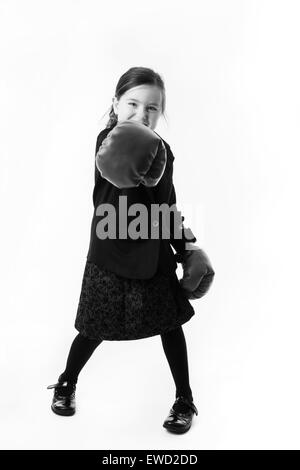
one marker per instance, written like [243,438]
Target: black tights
[174,346]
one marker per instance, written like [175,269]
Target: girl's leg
[81,350]
[174,346]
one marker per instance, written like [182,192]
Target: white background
[231,70]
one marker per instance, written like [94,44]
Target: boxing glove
[132,154]
[198,273]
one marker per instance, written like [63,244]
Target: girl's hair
[136,76]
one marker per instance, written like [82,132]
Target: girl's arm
[187,237]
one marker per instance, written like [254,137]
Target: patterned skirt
[115,308]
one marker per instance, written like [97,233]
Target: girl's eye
[151,107]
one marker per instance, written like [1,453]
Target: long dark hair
[136,76]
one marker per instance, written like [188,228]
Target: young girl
[130,291]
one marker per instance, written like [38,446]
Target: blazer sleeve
[97,178]
[186,234]
[99,141]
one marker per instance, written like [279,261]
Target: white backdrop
[231,70]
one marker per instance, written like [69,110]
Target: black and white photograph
[150,235]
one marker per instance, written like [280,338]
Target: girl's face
[142,103]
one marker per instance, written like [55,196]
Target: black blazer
[142,258]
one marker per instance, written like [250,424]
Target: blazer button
[155,223]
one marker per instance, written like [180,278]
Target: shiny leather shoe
[180,416]
[63,402]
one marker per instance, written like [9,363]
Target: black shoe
[180,416]
[63,402]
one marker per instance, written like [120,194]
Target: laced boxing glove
[131,154]
[198,273]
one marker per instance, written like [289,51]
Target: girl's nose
[143,120]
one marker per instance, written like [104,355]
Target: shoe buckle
[58,384]
[189,403]
[52,386]
[194,408]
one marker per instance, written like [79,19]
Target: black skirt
[115,308]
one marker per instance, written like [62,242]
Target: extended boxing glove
[131,154]
[198,273]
